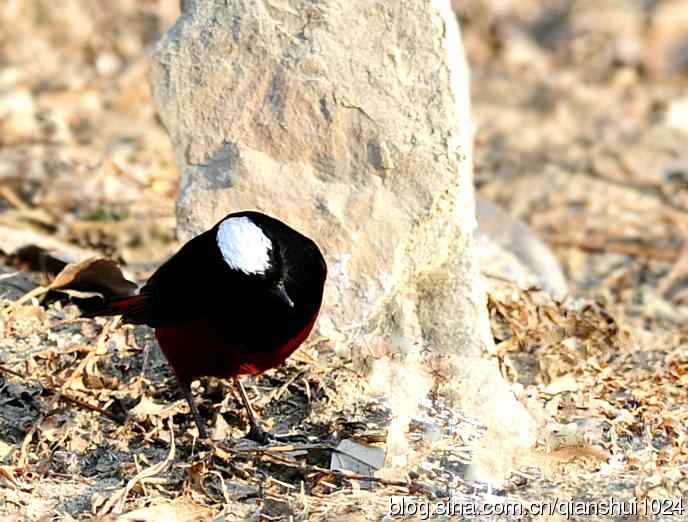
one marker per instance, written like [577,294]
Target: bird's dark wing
[187,286]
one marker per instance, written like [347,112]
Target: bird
[237,299]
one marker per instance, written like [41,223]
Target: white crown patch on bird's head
[243,245]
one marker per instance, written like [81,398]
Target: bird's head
[247,248]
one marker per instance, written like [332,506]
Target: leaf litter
[92,425]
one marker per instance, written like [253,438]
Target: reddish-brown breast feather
[201,348]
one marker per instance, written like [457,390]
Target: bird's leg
[185,386]
[256,433]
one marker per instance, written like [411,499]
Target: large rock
[350,121]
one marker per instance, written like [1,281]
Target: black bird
[237,299]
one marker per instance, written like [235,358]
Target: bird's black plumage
[198,282]
[214,319]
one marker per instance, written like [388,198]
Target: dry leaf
[173,512]
[148,408]
[95,274]
[116,502]
[6,449]
[196,473]
[93,378]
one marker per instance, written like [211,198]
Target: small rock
[108,64]
[676,115]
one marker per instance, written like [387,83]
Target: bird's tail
[120,306]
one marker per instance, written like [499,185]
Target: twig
[13,198]
[651,189]
[21,461]
[36,292]
[116,502]
[273,454]
[498,277]
[277,394]
[4,369]
[83,404]
[288,448]
[283,448]
[339,473]
[619,246]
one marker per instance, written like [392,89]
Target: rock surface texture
[349,121]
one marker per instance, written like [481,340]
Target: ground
[581,130]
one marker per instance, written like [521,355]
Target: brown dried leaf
[95,274]
[196,473]
[93,378]
[148,408]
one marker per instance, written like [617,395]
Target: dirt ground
[582,118]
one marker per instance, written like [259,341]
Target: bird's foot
[185,387]
[202,432]
[259,435]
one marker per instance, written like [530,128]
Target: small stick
[36,292]
[275,395]
[288,448]
[340,473]
[282,448]
[83,404]
[271,453]
[597,245]
[21,461]
[4,369]
[13,198]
